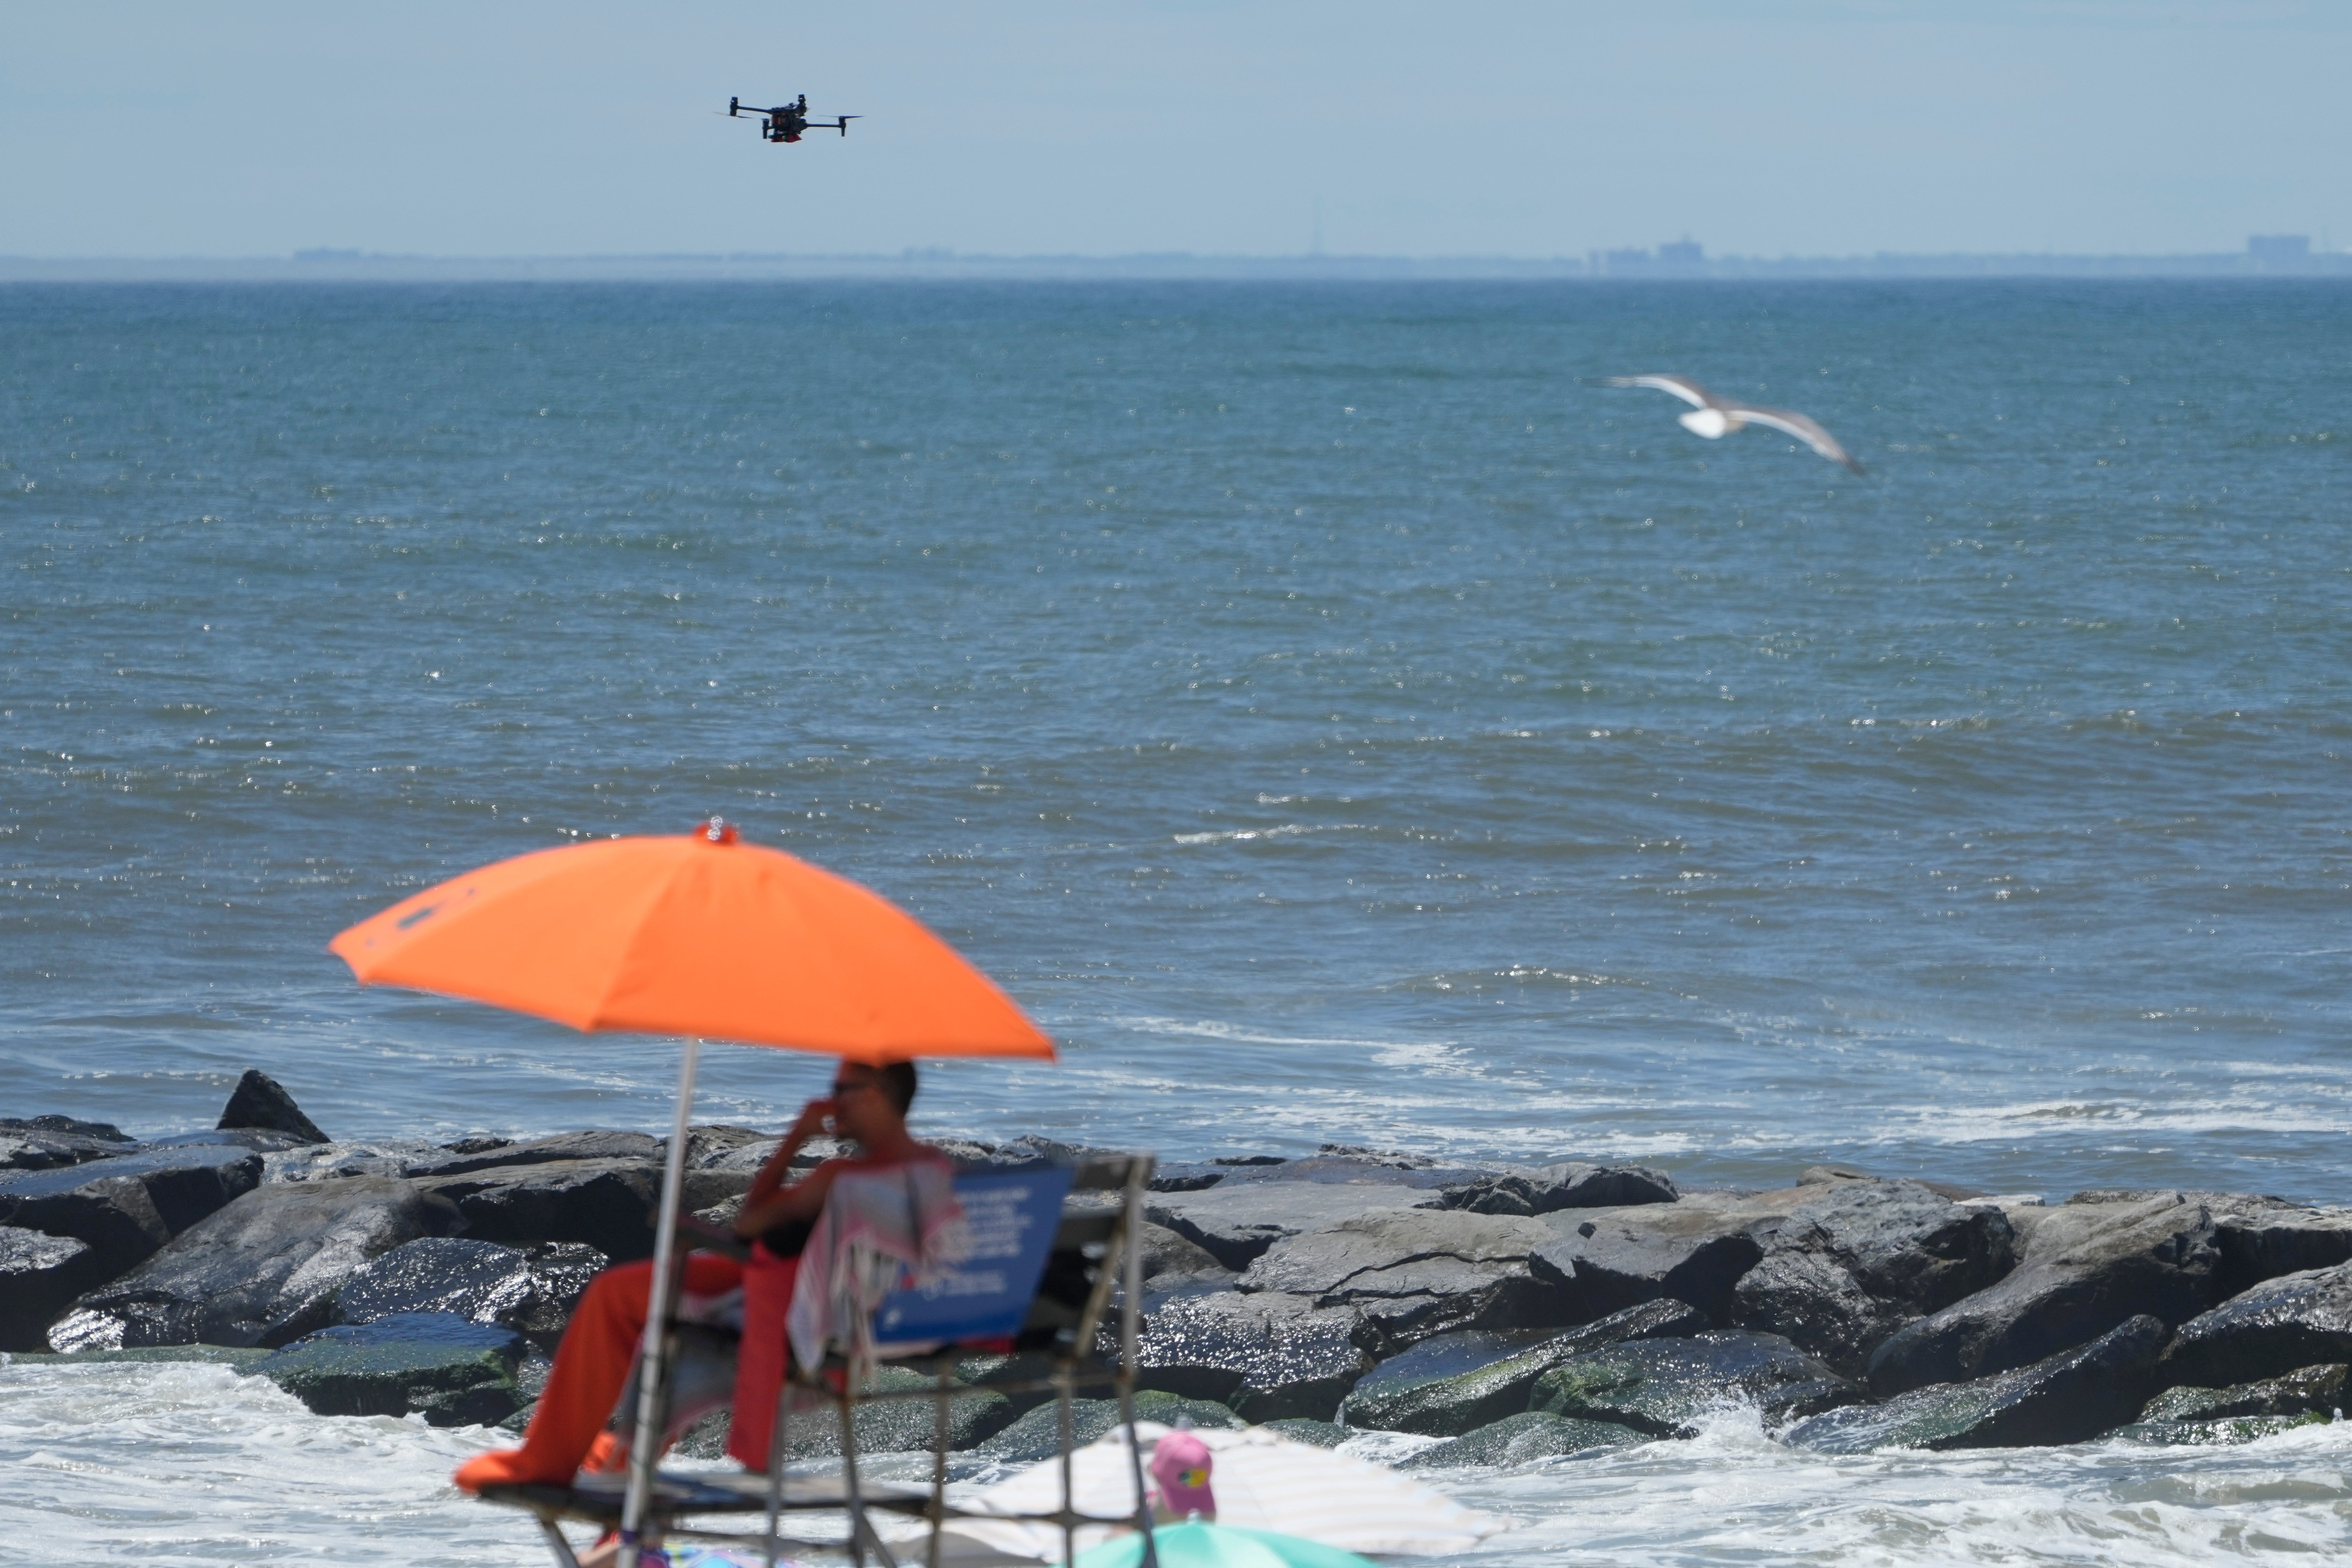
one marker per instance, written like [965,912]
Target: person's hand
[812,1124]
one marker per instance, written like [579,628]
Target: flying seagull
[1715,417]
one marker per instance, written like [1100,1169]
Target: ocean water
[1333,720]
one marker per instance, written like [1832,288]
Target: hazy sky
[1762,127]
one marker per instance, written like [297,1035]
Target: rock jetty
[1509,1313]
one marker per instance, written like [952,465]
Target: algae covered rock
[1665,1386]
[1037,1435]
[2069,1397]
[451,1372]
[899,1426]
[1523,1439]
[1314,1434]
[1401,1400]
[2303,1392]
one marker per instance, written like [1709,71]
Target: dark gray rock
[606,1204]
[2294,1321]
[887,1427]
[112,1216]
[1854,1264]
[1523,1439]
[39,1274]
[240,1358]
[1413,1272]
[1265,1356]
[354,1157]
[1036,1436]
[2069,1397]
[1694,1250]
[1170,1256]
[263,1270]
[2085,1269]
[1571,1185]
[46,1143]
[184,1182]
[451,1372]
[1234,1222]
[2299,1392]
[2261,1238]
[1665,1386]
[262,1101]
[532,1291]
[1458,1403]
[602,1144]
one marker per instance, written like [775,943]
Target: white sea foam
[188,1466]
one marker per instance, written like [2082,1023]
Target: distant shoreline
[352,267]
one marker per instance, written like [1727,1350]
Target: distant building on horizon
[1675,259]
[2290,247]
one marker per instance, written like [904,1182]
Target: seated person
[868,1107]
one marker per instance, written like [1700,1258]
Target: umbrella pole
[661,1300]
[1131,1309]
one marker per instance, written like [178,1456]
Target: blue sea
[1332,718]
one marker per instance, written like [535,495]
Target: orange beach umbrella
[695,934]
[701,935]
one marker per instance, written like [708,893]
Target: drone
[786,121]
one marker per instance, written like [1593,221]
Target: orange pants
[601,1340]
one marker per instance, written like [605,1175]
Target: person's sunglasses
[841,1087]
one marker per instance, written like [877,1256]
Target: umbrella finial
[719,830]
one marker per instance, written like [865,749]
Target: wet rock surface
[2084,1269]
[1264,1355]
[1523,1439]
[2294,1321]
[1394,1396]
[530,1289]
[1410,1273]
[45,1142]
[451,1372]
[263,1270]
[603,1203]
[1522,1311]
[1848,1267]
[1665,1386]
[183,1182]
[2069,1397]
[2303,1392]
[40,1275]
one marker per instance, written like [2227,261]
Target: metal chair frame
[1075,1363]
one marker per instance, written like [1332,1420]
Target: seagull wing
[1796,425]
[1681,386]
